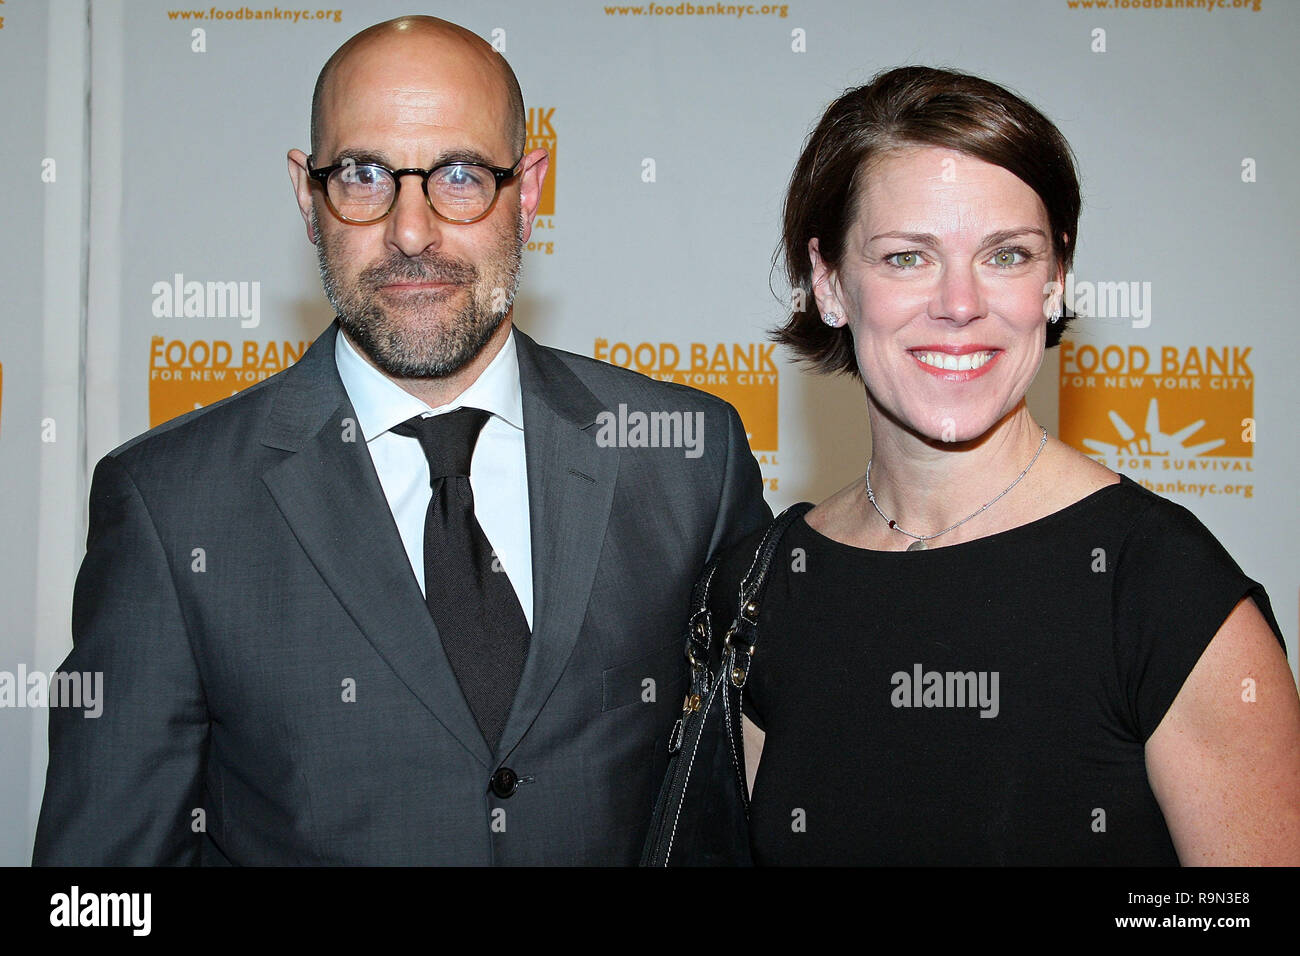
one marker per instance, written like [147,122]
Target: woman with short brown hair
[988,648]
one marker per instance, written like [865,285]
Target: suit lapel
[330,495]
[570,490]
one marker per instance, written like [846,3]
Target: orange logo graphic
[541,135]
[1175,409]
[185,375]
[742,373]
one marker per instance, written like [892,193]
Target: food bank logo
[541,135]
[742,373]
[1172,409]
[185,375]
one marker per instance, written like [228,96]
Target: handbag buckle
[739,665]
[740,645]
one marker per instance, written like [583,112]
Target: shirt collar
[381,403]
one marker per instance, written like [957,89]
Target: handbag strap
[699,625]
[699,631]
[743,632]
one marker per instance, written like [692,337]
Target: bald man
[404,602]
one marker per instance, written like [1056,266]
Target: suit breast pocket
[653,678]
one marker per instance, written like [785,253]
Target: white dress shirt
[498,470]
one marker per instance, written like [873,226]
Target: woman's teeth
[954,363]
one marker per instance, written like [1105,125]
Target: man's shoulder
[238,421]
[210,451]
[203,424]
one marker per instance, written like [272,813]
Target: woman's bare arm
[753,751]
[1224,763]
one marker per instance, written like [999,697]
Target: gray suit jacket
[275,691]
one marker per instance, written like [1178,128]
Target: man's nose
[412,226]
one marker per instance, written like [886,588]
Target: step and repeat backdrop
[154,261]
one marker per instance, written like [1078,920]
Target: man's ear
[301,180]
[825,283]
[535,165]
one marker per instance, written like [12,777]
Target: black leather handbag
[701,817]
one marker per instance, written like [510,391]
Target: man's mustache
[426,268]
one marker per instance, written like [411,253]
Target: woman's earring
[831,319]
[1056,316]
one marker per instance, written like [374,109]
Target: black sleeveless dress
[980,704]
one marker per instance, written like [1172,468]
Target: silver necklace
[920,543]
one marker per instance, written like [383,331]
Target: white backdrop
[672,135]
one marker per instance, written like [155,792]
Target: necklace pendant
[917,546]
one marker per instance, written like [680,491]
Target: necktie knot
[446,440]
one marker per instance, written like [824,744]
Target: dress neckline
[996,537]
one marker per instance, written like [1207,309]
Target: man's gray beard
[408,353]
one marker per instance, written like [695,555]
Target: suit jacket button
[504,782]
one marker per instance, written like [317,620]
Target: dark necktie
[483,628]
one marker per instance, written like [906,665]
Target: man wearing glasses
[438,621]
